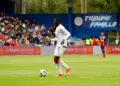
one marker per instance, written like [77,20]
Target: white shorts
[59,50]
[60,47]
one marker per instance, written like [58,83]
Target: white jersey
[61,34]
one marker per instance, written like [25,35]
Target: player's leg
[68,69]
[57,61]
[104,54]
[58,66]
[103,51]
[62,63]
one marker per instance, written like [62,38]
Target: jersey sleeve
[67,35]
[62,33]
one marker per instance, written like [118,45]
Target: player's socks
[68,70]
[59,68]
[104,56]
[63,64]
[103,52]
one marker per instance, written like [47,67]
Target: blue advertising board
[91,25]
[95,21]
[82,25]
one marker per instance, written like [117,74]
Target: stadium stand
[16,32]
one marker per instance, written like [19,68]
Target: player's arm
[67,35]
[99,41]
[105,41]
[54,39]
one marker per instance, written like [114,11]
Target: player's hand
[53,40]
[49,41]
[68,38]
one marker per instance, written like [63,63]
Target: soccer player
[61,37]
[102,43]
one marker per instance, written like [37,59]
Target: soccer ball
[42,73]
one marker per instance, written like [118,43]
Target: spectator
[15,32]
[15,43]
[94,41]
[51,31]
[43,30]
[26,41]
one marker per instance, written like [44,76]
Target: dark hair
[57,19]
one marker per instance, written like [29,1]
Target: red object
[94,42]
[68,70]
[113,49]
[5,29]
[15,43]
[20,50]
[60,75]
[79,50]
[102,43]
[102,40]
[3,38]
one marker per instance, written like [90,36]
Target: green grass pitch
[87,70]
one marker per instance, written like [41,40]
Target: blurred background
[30,22]
[79,6]
[61,6]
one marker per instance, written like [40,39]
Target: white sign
[78,21]
[102,21]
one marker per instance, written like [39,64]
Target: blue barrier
[80,25]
